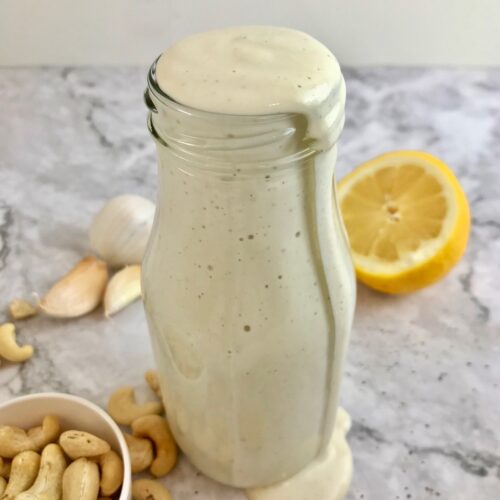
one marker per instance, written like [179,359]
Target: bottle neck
[220,141]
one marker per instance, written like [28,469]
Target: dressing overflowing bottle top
[258,70]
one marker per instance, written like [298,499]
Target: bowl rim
[127,469]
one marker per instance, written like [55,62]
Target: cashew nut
[151,377]
[147,489]
[111,473]
[14,440]
[8,345]
[3,484]
[24,469]
[141,452]
[81,481]
[78,444]
[5,468]
[124,409]
[156,428]
[47,433]
[48,483]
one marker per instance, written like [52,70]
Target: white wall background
[360,32]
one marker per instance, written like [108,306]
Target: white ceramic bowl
[74,413]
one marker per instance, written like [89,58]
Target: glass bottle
[248,288]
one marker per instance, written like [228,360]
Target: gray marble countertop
[423,370]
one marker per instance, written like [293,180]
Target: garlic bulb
[120,231]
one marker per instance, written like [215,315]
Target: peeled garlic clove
[123,288]
[20,309]
[78,292]
[120,231]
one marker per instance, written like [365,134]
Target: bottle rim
[164,98]
[279,140]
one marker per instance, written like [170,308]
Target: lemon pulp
[407,218]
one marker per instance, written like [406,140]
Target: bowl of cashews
[58,446]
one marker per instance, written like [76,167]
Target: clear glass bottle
[248,288]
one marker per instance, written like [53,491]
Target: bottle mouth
[155,90]
[220,140]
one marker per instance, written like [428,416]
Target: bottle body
[249,293]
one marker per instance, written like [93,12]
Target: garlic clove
[78,292]
[123,288]
[20,309]
[120,231]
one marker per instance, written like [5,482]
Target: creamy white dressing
[257,70]
[272,399]
[327,478]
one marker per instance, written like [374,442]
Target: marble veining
[423,370]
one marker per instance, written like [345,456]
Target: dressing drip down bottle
[248,283]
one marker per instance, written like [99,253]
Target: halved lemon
[407,218]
